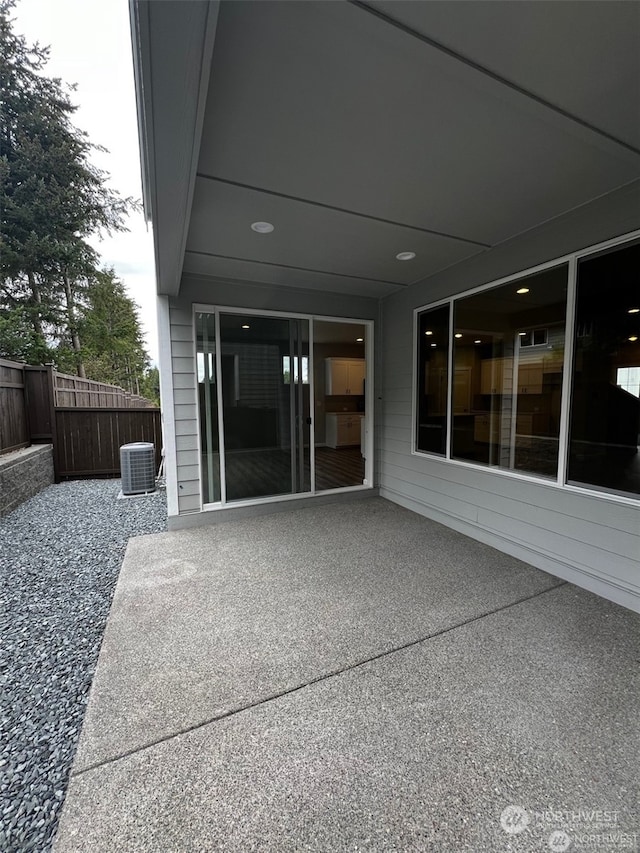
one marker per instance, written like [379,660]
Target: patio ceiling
[364,130]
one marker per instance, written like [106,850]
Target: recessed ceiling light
[523,290]
[477,342]
[458,335]
[633,338]
[433,345]
[246,327]
[633,311]
[262,227]
[359,340]
[429,332]
[405,256]
[521,334]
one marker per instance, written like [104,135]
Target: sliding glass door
[258,413]
[208,393]
[340,417]
[278,416]
[265,405]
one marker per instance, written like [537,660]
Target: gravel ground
[60,554]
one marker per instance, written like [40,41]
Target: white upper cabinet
[345,376]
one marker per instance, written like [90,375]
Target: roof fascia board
[170,122]
[140,45]
[203,90]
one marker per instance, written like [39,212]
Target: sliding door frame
[217,310]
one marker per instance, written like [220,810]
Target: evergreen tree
[107,323]
[150,386]
[52,199]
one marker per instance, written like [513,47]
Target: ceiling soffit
[360,138]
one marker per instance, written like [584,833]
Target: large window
[605,407]
[490,375]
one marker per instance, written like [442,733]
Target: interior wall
[202,290]
[590,540]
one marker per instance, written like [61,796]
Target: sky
[91,46]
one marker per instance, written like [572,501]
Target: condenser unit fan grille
[137,465]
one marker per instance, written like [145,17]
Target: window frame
[571,260]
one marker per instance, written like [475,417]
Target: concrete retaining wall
[23,474]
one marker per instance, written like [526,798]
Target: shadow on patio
[351,677]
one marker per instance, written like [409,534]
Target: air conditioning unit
[138,468]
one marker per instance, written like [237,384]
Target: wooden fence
[85,421]
[88,439]
[39,402]
[85,393]
[14,426]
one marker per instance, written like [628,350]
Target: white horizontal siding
[186,426]
[190,472]
[187,412]
[595,534]
[398,393]
[181,333]
[189,503]
[180,313]
[189,487]
[401,407]
[622,518]
[185,408]
[187,457]
[182,349]
[427,496]
[398,421]
[186,442]
[184,396]
[386,432]
[587,539]
[183,365]
[184,381]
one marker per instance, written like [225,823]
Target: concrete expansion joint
[324,677]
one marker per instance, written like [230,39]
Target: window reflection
[433,363]
[605,408]
[508,361]
[208,407]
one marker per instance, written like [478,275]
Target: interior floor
[258,473]
[261,473]
[336,469]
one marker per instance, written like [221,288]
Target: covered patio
[353,676]
[397,249]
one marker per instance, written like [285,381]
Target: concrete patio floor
[353,677]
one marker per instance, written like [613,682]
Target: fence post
[51,383]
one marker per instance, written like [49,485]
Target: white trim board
[167,404]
